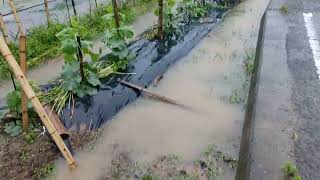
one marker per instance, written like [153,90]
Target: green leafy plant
[290,170]
[284,9]
[116,41]
[13,128]
[44,171]
[192,10]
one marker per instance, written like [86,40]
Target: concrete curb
[244,162]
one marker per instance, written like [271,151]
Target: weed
[289,169]
[235,97]
[249,61]
[284,9]
[44,171]
[24,156]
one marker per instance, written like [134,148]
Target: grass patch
[284,9]
[42,43]
[290,170]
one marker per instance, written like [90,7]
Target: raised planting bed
[152,60]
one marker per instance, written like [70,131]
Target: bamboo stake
[35,102]
[46,6]
[149,93]
[4,29]
[23,66]
[13,8]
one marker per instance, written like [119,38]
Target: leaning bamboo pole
[23,66]
[4,29]
[46,6]
[5,51]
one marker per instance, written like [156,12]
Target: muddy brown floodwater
[203,81]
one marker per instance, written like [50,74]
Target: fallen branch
[149,93]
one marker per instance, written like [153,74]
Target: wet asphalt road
[287,113]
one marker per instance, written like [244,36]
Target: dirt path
[209,80]
[51,70]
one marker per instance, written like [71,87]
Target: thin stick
[13,8]
[4,29]
[69,17]
[46,6]
[23,66]
[149,93]
[5,51]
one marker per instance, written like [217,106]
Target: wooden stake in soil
[23,66]
[35,102]
[116,13]
[4,29]
[160,20]
[46,6]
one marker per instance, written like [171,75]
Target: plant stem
[116,14]
[160,19]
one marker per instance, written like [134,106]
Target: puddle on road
[203,81]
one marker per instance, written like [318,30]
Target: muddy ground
[22,159]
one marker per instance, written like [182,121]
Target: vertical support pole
[23,66]
[46,6]
[160,19]
[4,29]
[5,51]
[116,13]
[80,55]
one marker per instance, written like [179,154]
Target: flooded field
[211,81]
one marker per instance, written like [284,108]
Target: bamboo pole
[35,102]
[23,66]
[46,6]
[4,29]
[13,8]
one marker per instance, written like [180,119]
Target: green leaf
[93,79]
[70,75]
[69,46]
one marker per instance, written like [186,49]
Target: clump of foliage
[191,10]
[116,40]
[13,128]
[44,171]
[71,81]
[290,170]
[284,9]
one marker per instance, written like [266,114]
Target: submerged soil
[211,82]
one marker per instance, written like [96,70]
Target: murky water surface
[203,81]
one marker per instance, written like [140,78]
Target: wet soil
[22,160]
[210,81]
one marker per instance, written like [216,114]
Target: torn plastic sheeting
[153,59]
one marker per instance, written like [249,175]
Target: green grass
[290,170]
[42,43]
